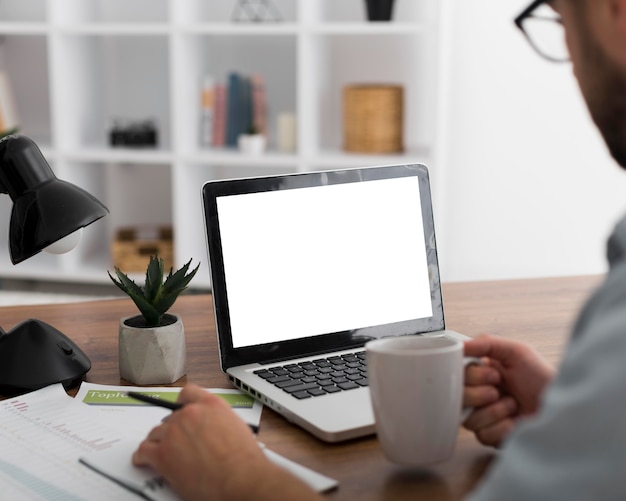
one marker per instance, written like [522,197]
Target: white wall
[530,189]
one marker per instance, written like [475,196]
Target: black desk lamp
[47,212]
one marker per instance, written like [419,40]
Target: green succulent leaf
[174,285]
[154,278]
[179,280]
[157,296]
[149,312]
[125,283]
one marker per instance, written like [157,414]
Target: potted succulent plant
[253,142]
[152,347]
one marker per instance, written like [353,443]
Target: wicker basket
[373,118]
[132,247]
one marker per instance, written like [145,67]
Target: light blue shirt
[575,447]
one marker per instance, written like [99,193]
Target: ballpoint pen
[173,406]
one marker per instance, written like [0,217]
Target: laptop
[308,267]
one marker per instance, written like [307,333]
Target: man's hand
[205,451]
[507,386]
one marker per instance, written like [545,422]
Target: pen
[173,406]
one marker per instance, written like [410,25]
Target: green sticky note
[114,397]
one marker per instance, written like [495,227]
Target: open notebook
[306,268]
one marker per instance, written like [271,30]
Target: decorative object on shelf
[9,121]
[379,10]
[257,11]
[152,348]
[139,134]
[252,143]
[286,137]
[373,118]
[48,214]
[132,247]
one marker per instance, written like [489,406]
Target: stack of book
[231,109]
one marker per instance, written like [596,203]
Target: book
[233,109]
[259,105]
[246,111]
[219,124]
[207,111]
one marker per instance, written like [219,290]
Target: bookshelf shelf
[120,155]
[115,29]
[23,28]
[90,62]
[330,159]
[269,29]
[369,29]
[229,157]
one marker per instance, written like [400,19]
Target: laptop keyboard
[318,377]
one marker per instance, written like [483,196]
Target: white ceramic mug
[416,385]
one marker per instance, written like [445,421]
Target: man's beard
[608,110]
[604,89]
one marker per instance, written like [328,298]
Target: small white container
[251,144]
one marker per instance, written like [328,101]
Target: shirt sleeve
[575,447]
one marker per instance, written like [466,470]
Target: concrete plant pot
[152,355]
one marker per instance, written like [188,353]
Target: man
[563,434]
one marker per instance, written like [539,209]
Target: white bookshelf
[75,65]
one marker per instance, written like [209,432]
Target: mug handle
[465,412]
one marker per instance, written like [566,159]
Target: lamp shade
[45,208]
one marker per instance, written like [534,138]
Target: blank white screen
[311,261]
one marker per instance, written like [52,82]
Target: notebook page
[42,435]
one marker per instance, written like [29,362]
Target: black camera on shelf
[142,134]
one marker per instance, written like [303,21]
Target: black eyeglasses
[544,31]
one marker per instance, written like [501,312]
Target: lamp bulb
[65,244]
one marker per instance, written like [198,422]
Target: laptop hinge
[311,354]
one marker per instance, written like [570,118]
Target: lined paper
[42,436]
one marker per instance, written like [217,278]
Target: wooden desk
[539,311]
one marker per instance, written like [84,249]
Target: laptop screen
[310,261]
